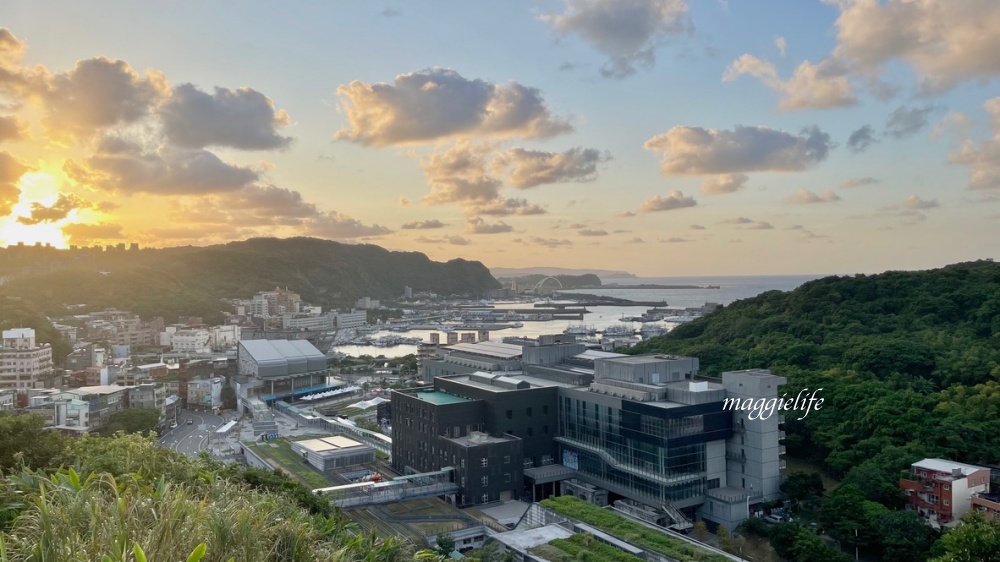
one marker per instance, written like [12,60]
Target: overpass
[401,488]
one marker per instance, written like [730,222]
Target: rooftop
[478,438]
[530,538]
[592,354]
[437,397]
[943,465]
[495,349]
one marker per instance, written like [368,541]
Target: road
[191,439]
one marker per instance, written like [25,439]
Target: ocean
[730,290]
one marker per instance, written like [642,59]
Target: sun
[36,187]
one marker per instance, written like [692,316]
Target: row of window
[545,410]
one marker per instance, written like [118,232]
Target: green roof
[438,397]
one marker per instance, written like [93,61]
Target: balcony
[781,435]
[735,456]
[781,418]
[782,465]
[781,450]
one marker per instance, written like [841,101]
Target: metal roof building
[278,358]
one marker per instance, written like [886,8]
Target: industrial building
[647,431]
[271,370]
[329,454]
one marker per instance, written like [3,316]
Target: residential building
[70,416]
[942,490]
[307,322]
[24,364]
[8,399]
[987,504]
[224,337]
[205,394]
[191,341]
[365,303]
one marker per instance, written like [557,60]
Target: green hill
[909,364]
[171,282]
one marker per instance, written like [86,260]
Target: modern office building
[644,430]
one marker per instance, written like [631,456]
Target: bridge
[401,488]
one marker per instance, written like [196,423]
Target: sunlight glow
[36,187]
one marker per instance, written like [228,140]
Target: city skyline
[660,137]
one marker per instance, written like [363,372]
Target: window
[506,477]
[463,463]
[486,498]
[529,412]
[510,414]
[484,462]
[946,502]
[506,459]
[485,481]
[947,487]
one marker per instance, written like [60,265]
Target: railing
[781,435]
[736,456]
[782,465]
[781,449]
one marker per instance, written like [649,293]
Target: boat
[618,330]
[579,330]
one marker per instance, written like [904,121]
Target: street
[191,439]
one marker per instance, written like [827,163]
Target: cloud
[450,190]
[694,150]
[404,202]
[270,201]
[454,240]
[944,41]
[760,225]
[675,200]
[98,93]
[501,207]
[11,170]
[627,31]
[635,240]
[11,48]
[805,197]
[531,168]
[477,225]
[915,203]
[697,227]
[338,226]
[983,158]
[440,104]
[808,236]
[905,122]
[824,85]
[389,13]
[88,234]
[64,204]
[121,165]
[726,183]
[548,242]
[459,175]
[795,227]
[244,119]
[861,139]
[781,44]
[592,232]
[858,182]
[625,214]
[673,240]
[423,225]
[738,220]
[12,128]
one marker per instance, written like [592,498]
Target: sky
[660,137]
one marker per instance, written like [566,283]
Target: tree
[725,538]
[700,531]
[975,540]
[132,420]
[903,536]
[24,437]
[445,544]
[801,486]
[228,397]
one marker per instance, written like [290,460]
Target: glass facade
[642,449]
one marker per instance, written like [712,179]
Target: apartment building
[24,364]
[942,491]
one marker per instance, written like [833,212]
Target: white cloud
[915,203]
[627,31]
[675,200]
[694,150]
[823,85]
[983,158]
[477,225]
[440,104]
[726,183]
[805,197]
[501,207]
[531,168]
[781,44]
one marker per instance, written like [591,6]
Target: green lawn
[282,456]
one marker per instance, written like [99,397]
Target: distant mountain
[524,271]
[171,282]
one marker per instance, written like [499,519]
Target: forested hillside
[191,281]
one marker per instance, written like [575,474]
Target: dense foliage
[172,282]
[627,530]
[909,367]
[583,548]
[132,420]
[98,497]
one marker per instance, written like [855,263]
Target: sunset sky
[660,137]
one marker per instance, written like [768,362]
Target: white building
[191,341]
[352,319]
[365,303]
[7,399]
[205,394]
[224,337]
[23,364]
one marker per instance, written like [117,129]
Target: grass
[283,457]
[582,548]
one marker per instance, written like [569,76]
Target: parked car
[173,425]
[189,422]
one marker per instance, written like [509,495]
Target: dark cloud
[11,171]
[675,200]
[531,168]
[635,240]
[88,234]
[674,240]
[423,225]
[244,119]
[269,200]
[627,31]
[697,227]
[64,204]
[12,128]
[338,226]
[548,242]
[905,122]
[861,139]
[454,240]
[477,225]
[501,207]
[857,182]
[438,104]
[696,151]
[123,166]
[592,232]
[738,220]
